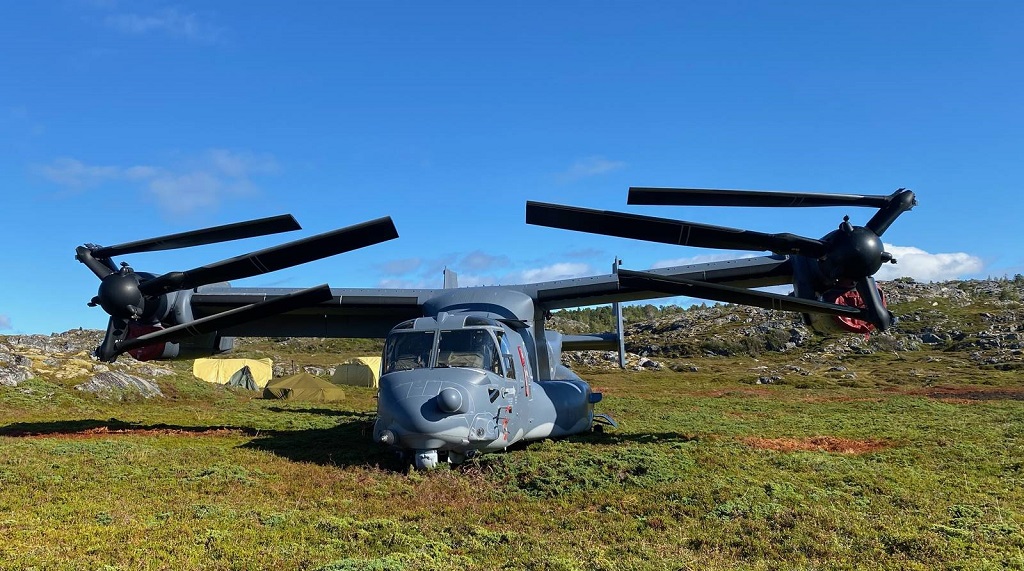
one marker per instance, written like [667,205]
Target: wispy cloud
[479,261]
[169,21]
[201,182]
[589,167]
[927,267]
[912,262]
[476,268]
[400,267]
[5,322]
[558,271]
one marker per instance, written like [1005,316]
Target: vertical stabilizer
[451,279]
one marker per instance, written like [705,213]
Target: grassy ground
[911,461]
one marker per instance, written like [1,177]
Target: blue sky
[126,120]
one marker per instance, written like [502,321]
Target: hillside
[745,441]
[982,319]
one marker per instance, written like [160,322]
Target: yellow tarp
[303,387]
[220,370]
[358,372]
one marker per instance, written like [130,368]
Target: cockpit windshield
[473,348]
[407,350]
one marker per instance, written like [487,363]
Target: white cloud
[926,267]
[478,260]
[169,21]
[559,271]
[912,262]
[203,182]
[74,173]
[588,167]
[402,273]
[5,322]
[241,164]
[399,267]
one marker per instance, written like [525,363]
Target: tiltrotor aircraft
[472,369]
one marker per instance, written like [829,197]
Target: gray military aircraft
[472,369]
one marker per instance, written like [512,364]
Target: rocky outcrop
[984,318]
[609,360]
[67,358]
[111,384]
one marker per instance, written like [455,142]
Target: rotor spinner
[853,252]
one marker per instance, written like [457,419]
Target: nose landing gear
[425,459]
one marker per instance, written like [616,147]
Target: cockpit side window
[472,348]
[506,355]
[407,350]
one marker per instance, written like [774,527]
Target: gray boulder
[111,384]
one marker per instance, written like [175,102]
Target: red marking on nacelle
[149,352]
[852,298]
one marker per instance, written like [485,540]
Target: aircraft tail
[451,279]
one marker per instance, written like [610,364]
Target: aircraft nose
[419,410]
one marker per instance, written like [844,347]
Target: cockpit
[473,345]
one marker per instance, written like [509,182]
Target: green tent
[303,387]
[243,379]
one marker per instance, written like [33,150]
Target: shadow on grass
[319,411]
[348,443]
[93,427]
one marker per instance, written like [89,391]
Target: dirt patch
[106,431]
[817,444]
[838,398]
[968,394]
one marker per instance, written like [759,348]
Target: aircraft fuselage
[461,383]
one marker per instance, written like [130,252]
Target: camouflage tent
[303,387]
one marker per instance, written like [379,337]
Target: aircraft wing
[594,290]
[372,312]
[351,312]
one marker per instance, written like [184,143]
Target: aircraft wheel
[425,459]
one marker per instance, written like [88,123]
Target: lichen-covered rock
[111,384]
[11,375]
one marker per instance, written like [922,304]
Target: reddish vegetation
[105,431]
[817,444]
[968,394]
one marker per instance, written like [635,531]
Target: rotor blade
[874,308]
[230,318]
[276,258]
[900,201]
[668,231]
[729,294]
[766,198]
[225,233]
